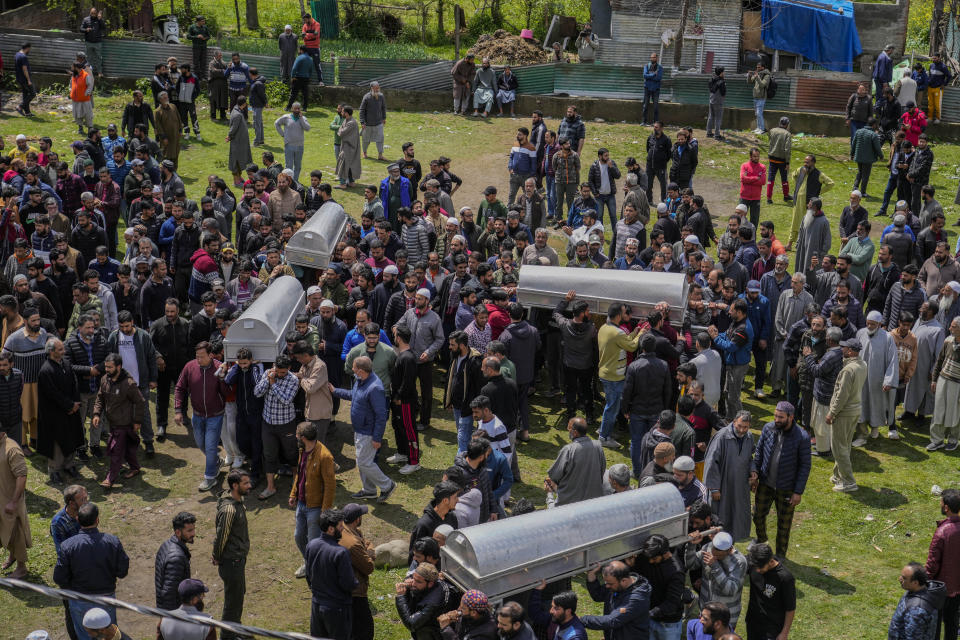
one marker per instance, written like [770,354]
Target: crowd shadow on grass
[814,577]
[37,503]
[31,599]
[162,463]
[882,498]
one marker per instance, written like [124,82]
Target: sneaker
[385,495]
[237,463]
[161,434]
[301,571]
[936,121]
[893,435]
[397,458]
[759,394]
[882,213]
[149,449]
[788,198]
[206,484]
[769,201]
[82,454]
[719,138]
[421,427]
[933,446]
[610,443]
[951,446]
[846,488]
[709,134]
[859,442]
[186,136]
[757,131]
[363,495]
[874,433]
[407,469]
[96,452]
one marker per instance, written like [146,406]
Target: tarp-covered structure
[820,30]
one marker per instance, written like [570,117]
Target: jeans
[370,473]
[464,422]
[855,125]
[639,425]
[758,104]
[293,156]
[760,366]
[27,93]
[79,609]
[257,125]
[551,196]
[610,201]
[333,623]
[753,206]
[612,392]
[307,527]
[888,191]
[563,190]
[665,630]
[206,433]
[229,432]
[661,175]
[654,97]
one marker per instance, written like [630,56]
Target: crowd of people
[418,295]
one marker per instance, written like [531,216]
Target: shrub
[277,94]
[144,85]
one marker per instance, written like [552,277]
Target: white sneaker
[610,443]
[933,446]
[859,442]
[407,469]
[759,394]
[893,435]
[846,488]
[397,458]
[301,572]
[874,433]
[207,484]
[758,131]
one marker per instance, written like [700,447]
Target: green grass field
[846,550]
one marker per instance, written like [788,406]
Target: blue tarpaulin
[820,30]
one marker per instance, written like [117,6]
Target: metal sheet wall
[828,96]
[363,70]
[599,80]
[950,104]
[536,79]
[689,88]
[431,77]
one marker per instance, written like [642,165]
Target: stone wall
[879,25]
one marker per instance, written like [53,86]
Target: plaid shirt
[69,190]
[277,398]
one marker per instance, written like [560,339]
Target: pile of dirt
[505,48]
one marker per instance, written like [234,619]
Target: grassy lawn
[845,550]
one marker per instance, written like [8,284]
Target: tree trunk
[440,32]
[935,42]
[253,21]
[303,8]
[236,7]
[496,13]
[678,43]
[424,14]
[188,7]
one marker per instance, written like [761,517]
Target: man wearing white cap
[946,385]
[878,395]
[690,488]
[947,305]
[22,149]
[426,340]
[287,42]
[97,624]
[723,569]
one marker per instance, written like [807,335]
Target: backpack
[772,88]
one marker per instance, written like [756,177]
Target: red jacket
[207,391]
[943,559]
[499,319]
[916,122]
[752,177]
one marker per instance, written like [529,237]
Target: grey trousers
[735,375]
[516,184]
[568,189]
[714,118]
[94,52]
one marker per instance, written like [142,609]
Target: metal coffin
[262,327]
[508,556]
[544,286]
[312,246]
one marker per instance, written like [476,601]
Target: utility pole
[678,43]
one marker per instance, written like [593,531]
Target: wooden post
[236,7]
[935,41]
[678,43]
[457,24]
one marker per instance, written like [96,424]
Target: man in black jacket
[646,392]
[918,175]
[171,339]
[658,155]
[666,579]
[420,600]
[172,564]
[86,351]
[464,381]
[439,511]
[405,400]
[504,401]
[331,579]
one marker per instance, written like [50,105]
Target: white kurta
[918,399]
[883,369]
[789,310]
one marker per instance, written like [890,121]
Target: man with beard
[427,339]
[231,546]
[333,331]
[139,359]
[918,401]
[511,623]
[59,429]
[24,296]
[790,309]
[906,344]
[728,477]
[170,335]
[561,617]
[410,168]
[945,384]
[87,349]
[420,600]
[120,402]
[658,155]
[877,402]
[843,412]
[822,359]
[382,293]
[714,622]
[880,279]
[813,238]
[782,463]
[26,345]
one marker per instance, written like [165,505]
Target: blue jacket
[63,527]
[735,343]
[921,78]
[794,465]
[354,338]
[939,75]
[329,572]
[91,562]
[916,615]
[626,614]
[107,270]
[302,66]
[45,188]
[385,194]
[758,313]
[522,161]
[883,69]
[248,404]
[368,406]
[652,79]
[573,630]
[501,476]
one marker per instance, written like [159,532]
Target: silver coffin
[262,327]
[312,246]
[508,556]
[544,286]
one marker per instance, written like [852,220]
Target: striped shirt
[28,353]
[948,363]
[497,434]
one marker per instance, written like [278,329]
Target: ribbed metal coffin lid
[514,543]
[545,286]
[313,244]
[266,320]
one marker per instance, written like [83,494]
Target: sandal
[266,494]
[106,484]
[131,474]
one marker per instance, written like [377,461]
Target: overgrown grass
[846,550]
[340,48]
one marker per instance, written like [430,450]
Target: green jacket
[93,305]
[781,142]
[861,253]
[867,146]
[335,127]
[760,83]
[384,358]
[232,540]
[195,31]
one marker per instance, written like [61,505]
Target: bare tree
[253,21]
